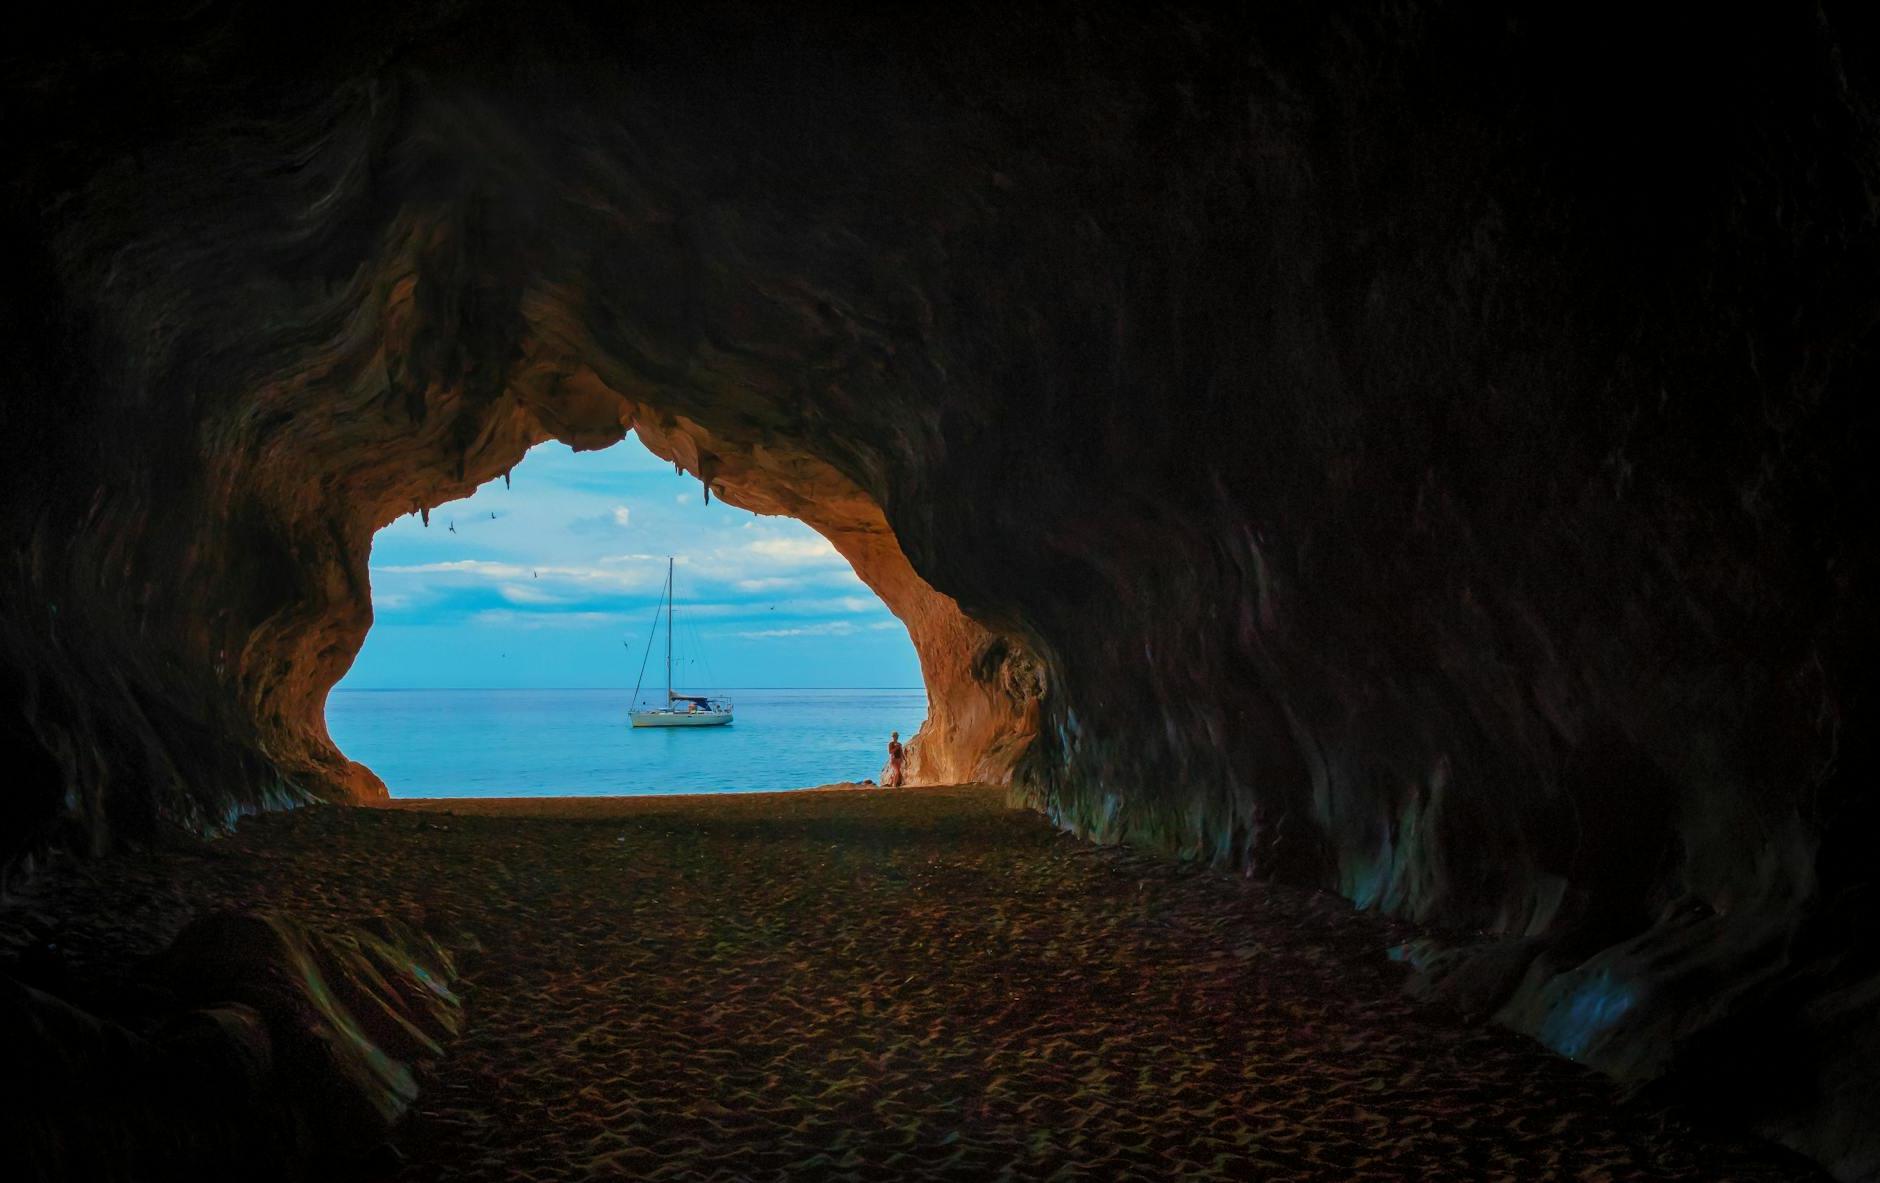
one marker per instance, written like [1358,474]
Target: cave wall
[1404,448]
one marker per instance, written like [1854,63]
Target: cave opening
[511,628]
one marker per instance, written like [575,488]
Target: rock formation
[265,1049]
[1408,449]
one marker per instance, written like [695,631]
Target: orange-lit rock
[983,689]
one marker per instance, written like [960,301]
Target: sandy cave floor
[894,985]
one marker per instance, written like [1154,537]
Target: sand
[895,985]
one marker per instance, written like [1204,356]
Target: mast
[669,631]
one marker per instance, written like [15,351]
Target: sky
[556,580]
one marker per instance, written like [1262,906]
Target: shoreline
[498,804]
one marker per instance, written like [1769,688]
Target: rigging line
[696,645]
[651,633]
[677,633]
[704,654]
[705,658]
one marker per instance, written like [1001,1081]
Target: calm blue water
[534,743]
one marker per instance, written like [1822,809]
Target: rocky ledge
[255,1046]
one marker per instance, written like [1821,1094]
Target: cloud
[510,618]
[828,606]
[522,593]
[815,549]
[822,628]
[828,628]
[612,578]
[617,518]
[770,563]
[478,567]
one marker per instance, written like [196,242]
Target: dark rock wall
[253,1047]
[1404,448]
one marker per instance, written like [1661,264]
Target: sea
[577,743]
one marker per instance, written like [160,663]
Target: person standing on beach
[896,754]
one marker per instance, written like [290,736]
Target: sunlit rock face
[983,689]
[1416,453]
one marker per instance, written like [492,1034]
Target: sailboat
[681,710]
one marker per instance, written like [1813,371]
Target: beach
[869,984]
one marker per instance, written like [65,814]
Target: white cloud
[617,517]
[828,628]
[828,606]
[478,567]
[520,593]
[770,563]
[821,628]
[615,578]
[814,549]
[510,618]
[703,608]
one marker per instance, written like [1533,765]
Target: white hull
[681,718]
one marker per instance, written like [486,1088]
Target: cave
[1409,451]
